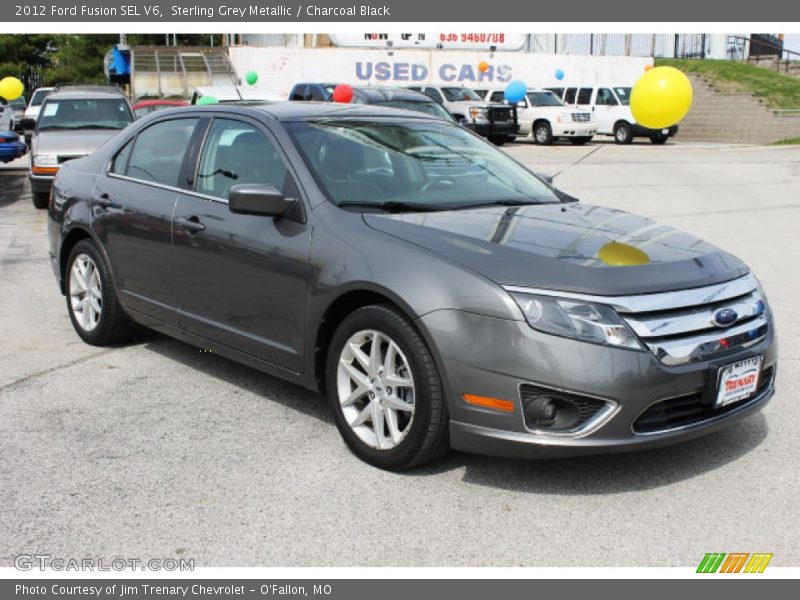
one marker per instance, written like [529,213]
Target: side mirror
[259,199]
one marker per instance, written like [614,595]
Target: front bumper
[574,129]
[485,128]
[41,184]
[493,357]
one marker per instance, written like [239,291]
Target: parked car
[17,109]
[612,113]
[28,122]
[543,117]
[308,92]
[145,107]
[11,147]
[435,289]
[497,122]
[73,121]
[395,98]
[235,94]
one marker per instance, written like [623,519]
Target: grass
[778,90]
[788,142]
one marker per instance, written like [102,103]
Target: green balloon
[204,100]
[251,77]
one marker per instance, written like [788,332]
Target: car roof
[300,111]
[158,102]
[83,95]
[385,93]
[225,93]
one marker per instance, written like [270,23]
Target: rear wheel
[623,134]
[95,311]
[40,199]
[385,391]
[543,133]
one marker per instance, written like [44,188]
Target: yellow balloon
[661,97]
[616,254]
[11,88]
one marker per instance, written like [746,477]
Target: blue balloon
[515,91]
[559,74]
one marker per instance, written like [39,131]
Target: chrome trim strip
[658,301]
[603,416]
[680,351]
[694,319]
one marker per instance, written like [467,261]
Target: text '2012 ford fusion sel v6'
[439,293]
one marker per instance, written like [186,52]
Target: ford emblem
[724,317]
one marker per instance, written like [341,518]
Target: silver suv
[72,122]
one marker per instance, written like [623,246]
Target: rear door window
[159,150]
[585,96]
[569,95]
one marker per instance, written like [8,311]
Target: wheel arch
[70,240]
[344,304]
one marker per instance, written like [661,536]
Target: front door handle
[103,200]
[192,224]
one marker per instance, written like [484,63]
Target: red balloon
[342,93]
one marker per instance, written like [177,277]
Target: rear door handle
[192,224]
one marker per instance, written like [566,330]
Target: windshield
[429,108]
[85,114]
[456,94]
[624,94]
[544,99]
[38,97]
[432,165]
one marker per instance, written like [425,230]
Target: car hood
[71,143]
[559,247]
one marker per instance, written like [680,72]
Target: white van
[610,105]
[543,117]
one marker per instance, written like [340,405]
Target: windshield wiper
[394,206]
[495,203]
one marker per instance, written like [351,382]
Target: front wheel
[385,391]
[543,133]
[40,199]
[498,140]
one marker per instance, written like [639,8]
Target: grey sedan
[439,293]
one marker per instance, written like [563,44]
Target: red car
[145,107]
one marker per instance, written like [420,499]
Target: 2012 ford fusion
[440,294]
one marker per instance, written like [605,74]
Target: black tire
[659,138]
[542,133]
[623,133]
[427,438]
[113,326]
[498,140]
[40,199]
[580,141]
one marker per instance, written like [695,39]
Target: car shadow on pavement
[271,389]
[589,475]
[610,473]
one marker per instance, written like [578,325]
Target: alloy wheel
[375,388]
[85,292]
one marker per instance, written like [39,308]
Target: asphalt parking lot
[156,449]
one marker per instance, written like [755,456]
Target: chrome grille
[581,117]
[687,333]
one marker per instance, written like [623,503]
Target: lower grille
[581,117]
[692,409]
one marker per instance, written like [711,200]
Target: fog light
[557,411]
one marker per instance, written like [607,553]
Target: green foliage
[777,89]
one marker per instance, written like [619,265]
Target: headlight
[563,118]
[576,319]
[45,160]
[476,112]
